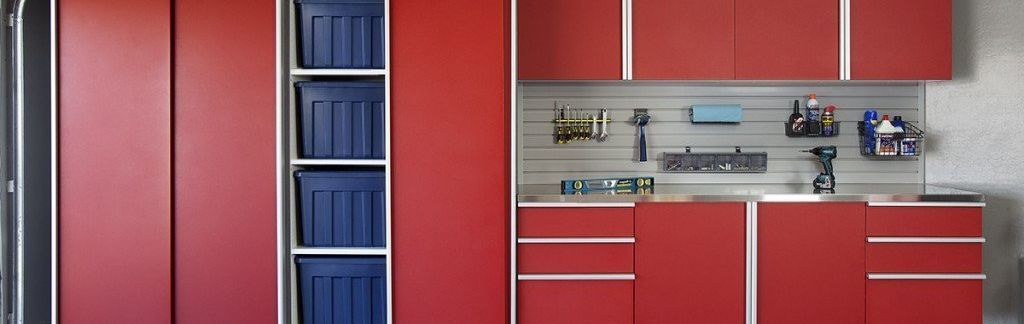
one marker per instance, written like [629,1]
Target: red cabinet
[905,40]
[924,302]
[440,49]
[570,39]
[115,221]
[924,221]
[683,39]
[575,302]
[924,257]
[787,40]
[810,265]
[690,263]
[575,222]
[575,258]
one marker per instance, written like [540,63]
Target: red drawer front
[575,302]
[924,302]
[924,221]
[575,258]
[924,257]
[575,222]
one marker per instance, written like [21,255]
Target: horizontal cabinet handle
[575,205]
[925,204]
[575,240]
[576,277]
[926,240]
[927,276]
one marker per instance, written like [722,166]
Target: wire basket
[906,144]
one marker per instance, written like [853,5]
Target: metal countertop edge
[936,198]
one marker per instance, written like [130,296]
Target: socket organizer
[723,162]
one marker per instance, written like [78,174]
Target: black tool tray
[723,162]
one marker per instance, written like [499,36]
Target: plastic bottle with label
[886,137]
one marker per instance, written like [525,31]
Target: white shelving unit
[288,72]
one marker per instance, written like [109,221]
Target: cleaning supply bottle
[870,116]
[886,141]
[796,120]
[813,108]
[828,121]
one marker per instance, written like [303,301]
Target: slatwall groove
[766,107]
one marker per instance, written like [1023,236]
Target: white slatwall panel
[766,106]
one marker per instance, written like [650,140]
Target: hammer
[641,119]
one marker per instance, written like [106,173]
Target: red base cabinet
[924,302]
[576,302]
[690,263]
[810,265]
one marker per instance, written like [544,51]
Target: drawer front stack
[575,264]
[924,263]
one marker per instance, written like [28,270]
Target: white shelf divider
[338,251]
[339,72]
[313,162]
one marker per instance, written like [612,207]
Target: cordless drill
[826,180]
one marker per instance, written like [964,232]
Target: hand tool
[825,180]
[625,185]
[641,119]
[604,126]
[559,125]
[593,127]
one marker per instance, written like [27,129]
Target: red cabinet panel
[224,113]
[787,39]
[810,263]
[924,257]
[690,263]
[924,302]
[570,39]
[575,258]
[683,39]
[575,302]
[450,234]
[114,121]
[901,40]
[924,221]
[575,222]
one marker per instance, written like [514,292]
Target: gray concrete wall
[976,138]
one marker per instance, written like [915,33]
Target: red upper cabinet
[811,263]
[683,39]
[570,39]
[787,39]
[901,40]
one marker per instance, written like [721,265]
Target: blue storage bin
[341,208]
[341,120]
[341,34]
[342,290]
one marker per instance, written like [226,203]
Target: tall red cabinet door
[901,40]
[683,39]
[450,161]
[690,263]
[114,128]
[570,39]
[225,260]
[810,263]
[787,39]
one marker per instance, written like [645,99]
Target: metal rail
[18,101]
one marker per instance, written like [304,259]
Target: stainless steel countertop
[760,192]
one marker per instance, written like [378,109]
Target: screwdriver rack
[571,127]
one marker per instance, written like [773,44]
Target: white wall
[976,138]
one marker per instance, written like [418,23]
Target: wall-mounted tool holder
[812,129]
[574,125]
[723,162]
[909,144]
